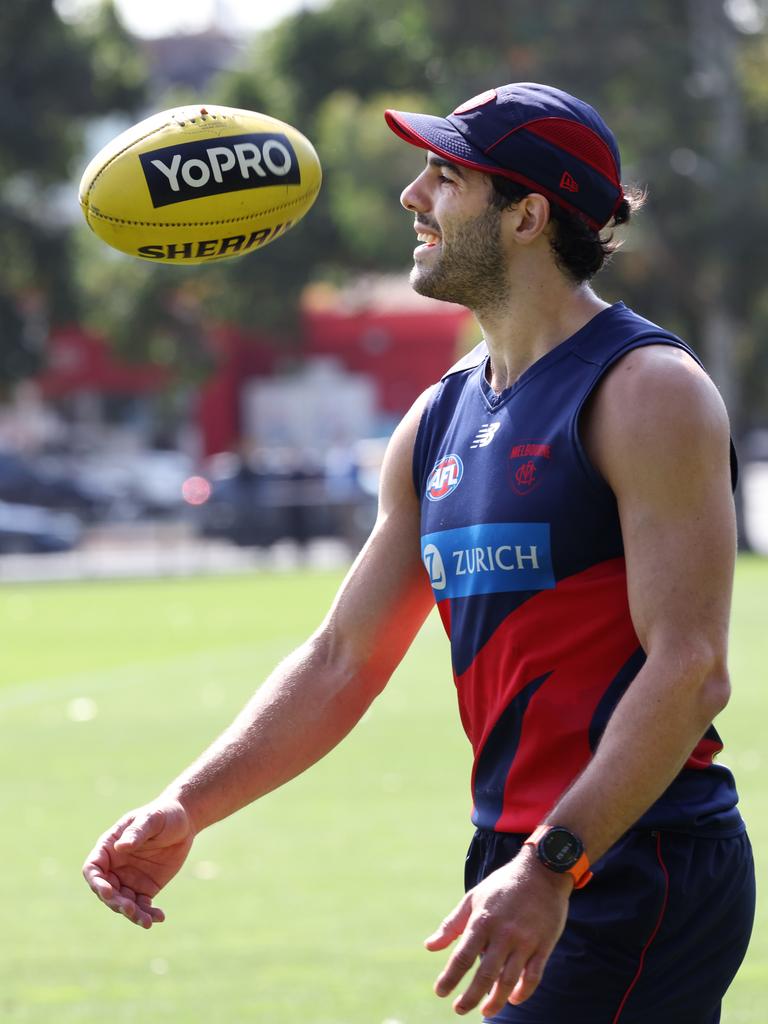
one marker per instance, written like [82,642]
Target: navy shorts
[657,935]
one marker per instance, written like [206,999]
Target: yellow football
[197,184]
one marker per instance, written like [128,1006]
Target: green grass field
[309,906]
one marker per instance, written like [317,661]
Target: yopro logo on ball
[209,167]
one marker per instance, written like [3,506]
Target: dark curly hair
[579,250]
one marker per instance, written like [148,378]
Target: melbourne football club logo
[528,460]
[445,477]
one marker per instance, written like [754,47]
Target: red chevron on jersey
[579,655]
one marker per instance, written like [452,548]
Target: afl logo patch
[445,477]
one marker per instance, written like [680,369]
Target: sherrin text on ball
[197,184]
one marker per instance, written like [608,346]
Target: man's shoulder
[660,368]
[660,394]
[615,331]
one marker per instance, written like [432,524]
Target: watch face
[560,849]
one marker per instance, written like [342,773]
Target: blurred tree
[314,70]
[682,85]
[53,77]
[350,46]
[366,169]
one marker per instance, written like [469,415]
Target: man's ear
[527,219]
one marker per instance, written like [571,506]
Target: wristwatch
[561,851]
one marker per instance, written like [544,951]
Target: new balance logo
[568,183]
[485,435]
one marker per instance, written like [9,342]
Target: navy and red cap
[536,135]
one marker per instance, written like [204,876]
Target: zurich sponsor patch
[445,477]
[488,558]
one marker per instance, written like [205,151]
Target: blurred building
[362,356]
[371,348]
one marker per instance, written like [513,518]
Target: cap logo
[477,101]
[568,183]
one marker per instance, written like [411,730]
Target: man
[564,494]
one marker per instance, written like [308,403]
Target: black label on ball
[210,167]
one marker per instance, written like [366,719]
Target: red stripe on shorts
[653,935]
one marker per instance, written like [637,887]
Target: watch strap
[579,872]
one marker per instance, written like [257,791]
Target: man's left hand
[511,921]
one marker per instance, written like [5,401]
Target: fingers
[461,961]
[136,909]
[155,913]
[503,986]
[99,885]
[492,975]
[99,860]
[140,911]
[503,978]
[451,927]
[529,980]
[139,831]
[510,923]
[123,900]
[102,873]
[509,970]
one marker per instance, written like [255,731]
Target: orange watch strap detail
[580,872]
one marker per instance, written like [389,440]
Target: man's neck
[537,318]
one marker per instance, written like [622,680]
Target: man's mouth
[429,239]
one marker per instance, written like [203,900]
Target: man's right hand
[140,854]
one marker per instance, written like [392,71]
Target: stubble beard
[471,268]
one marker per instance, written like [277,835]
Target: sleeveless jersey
[521,539]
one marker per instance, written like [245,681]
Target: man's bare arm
[313,699]
[668,462]
[306,706]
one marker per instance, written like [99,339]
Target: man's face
[461,258]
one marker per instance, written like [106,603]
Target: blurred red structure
[403,352]
[79,361]
[238,356]
[402,341]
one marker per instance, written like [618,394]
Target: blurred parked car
[48,484]
[27,529]
[141,483]
[254,505]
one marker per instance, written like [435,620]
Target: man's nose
[413,197]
